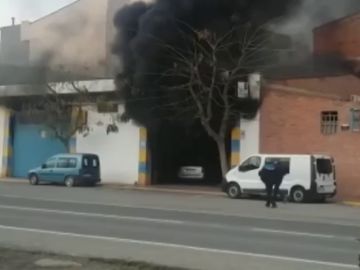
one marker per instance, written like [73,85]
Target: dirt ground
[11,259]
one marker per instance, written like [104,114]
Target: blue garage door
[31,149]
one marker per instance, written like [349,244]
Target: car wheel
[69,181]
[234,191]
[34,179]
[298,195]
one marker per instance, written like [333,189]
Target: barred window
[355,120]
[329,122]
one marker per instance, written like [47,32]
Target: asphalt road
[197,231]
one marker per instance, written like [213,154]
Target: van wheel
[234,191]
[298,195]
[69,181]
[34,179]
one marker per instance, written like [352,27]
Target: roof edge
[357,13]
[56,11]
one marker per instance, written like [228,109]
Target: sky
[30,10]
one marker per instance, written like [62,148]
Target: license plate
[326,189]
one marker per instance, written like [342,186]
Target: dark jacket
[272,174]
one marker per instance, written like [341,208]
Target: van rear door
[324,168]
[90,167]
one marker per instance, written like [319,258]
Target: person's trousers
[272,191]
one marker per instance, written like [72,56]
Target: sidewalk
[196,190]
[352,203]
[178,189]
[190,189]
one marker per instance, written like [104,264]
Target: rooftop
[312,67]
[353,16]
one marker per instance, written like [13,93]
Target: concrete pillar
[144,159]
[235,146]
[5,142]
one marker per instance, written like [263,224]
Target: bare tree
[205,75]
[194,79]
[65,114]
[61,113]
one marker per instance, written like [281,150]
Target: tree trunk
[223,157]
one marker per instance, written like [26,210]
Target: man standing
[272,175]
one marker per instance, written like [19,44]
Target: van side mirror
[43,166]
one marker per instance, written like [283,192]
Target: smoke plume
[65,40]
[313,13]
[143,26]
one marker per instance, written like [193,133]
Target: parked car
[68,169]
[309,177]
[191,172]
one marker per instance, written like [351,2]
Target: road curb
[352,203]
[13,180]
[165,190]
[135,188]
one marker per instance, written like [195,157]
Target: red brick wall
[290,123]
[340,37]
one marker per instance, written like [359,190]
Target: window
[329,122]
[284,163]
[324,166]
[66,163]
[50,164]
[250,164]
[90,162]
[62,163]
[355,119]
[72,163]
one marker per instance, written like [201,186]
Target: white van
[309,177]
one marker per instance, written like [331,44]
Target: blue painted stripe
[143,167]
[235,146]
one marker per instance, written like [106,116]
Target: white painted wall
[3,127]
[250,137]
[119,153]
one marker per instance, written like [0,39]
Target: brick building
[299,116]
[319,112]
[339,37]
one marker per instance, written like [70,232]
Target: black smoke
[142,27]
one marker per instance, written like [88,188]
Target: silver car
[191,172]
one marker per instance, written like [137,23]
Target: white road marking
[171,221]
[205,212]
[293,233]
[96,215]
[305,234]
[176,246]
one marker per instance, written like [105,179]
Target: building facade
[25,142]
[340,37]
[119,152]
[13,51]
[296,118]
[320,112]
